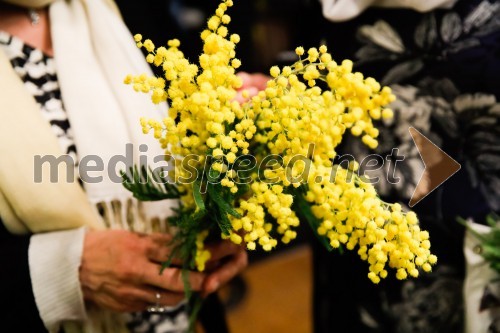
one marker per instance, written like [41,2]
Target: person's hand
[252,83]
[227,260]
[120,271]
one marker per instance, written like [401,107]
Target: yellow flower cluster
[268,198]
[293,114]
[353,215]
[304,111]
[202,255]
[201,99]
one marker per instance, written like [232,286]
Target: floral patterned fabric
[444,67]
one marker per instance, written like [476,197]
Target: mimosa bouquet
[252,172]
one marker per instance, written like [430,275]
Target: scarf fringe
[130,214]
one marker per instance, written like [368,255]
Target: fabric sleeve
[54,261]
[343,10]
[19,311]
[480,285]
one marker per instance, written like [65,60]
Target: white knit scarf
[94,51]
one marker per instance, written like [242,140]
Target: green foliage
[303,208]
[490,242]
[147,185]
[209,196]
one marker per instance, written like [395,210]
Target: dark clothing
[18,311]
[443,66]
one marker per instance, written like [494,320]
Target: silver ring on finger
[156,308]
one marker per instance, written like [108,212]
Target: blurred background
[269,29]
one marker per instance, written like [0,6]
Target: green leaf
[188,291]
[147,186]
[242,189]
[214,193]
[198,198]
[491,251]
[195,304]
[490,221]
[223,221]
[213,175]
[475,233]
[166,264]
[303,208]
[490,242]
